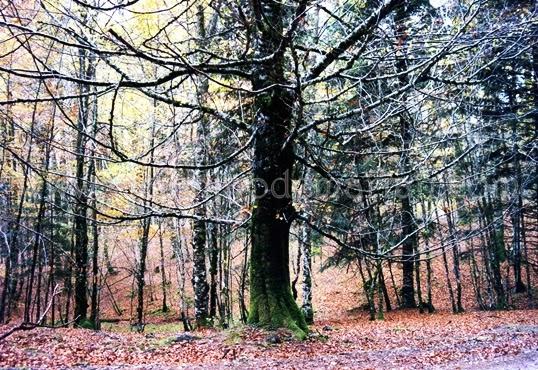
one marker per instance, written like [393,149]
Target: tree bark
[146,225]
[306,284]
[455,255]
[11,262]
[87,70]
[199,227]
[140,273]
[271,300]
[37,241]
[408,217]
[94,303]
[164,282]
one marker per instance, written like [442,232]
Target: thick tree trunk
[271,300]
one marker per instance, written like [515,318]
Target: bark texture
[271,300]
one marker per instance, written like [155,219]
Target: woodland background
[399,138]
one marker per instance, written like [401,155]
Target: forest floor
[405,339]
[341,338]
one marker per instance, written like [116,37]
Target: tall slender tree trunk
[87,70]
[94,302]
[164,282]
[146,225]
[455,256]
[243,285]
[408,217]
[306,263]
[11,275]
[52,260]
[38,232]
[94,312]
[213,267]
[418,280]
[380,295]
[517,217]
[68,280]
[199,227]
[517,211]
[526,256]
[534,156]
[493,251]
[393,283]
[141,272]
[37,312]
[366,285]
[408,248]
[430,306]
[445,264]
[486,262]
[177,248]
[475,276]
[386,297]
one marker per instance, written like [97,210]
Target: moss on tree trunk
[271,301]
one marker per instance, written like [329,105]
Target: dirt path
[524,361]
[474,353]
